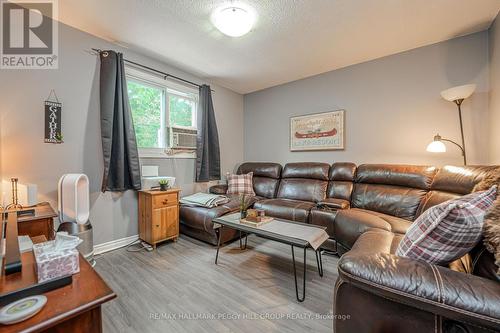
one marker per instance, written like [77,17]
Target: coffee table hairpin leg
[218,231]
[319,261]
[241,245]
[300,299]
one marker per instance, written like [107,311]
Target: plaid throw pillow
[240,184]
[449,230]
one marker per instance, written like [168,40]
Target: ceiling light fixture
[234,20]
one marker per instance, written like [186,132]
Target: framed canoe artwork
[319,131]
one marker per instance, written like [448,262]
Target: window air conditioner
[182,138]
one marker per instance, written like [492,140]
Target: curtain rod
[165,75]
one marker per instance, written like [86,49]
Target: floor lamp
[456,95]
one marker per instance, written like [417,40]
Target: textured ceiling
[292,39]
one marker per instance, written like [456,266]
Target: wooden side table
[42,223]
[72,308]
[159,215]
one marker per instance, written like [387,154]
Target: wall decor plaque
[53,131]
[318,131]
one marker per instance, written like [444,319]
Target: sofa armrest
[334,203]
[218,189]
[435,289]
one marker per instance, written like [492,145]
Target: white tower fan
[74,211]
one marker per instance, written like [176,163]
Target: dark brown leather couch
[197,221]
[406,295]
[367,210]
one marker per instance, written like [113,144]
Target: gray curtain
[207,143]
[121,159]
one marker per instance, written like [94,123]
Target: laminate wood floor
[178,288]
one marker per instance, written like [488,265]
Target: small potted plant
[163,184]
[243,205]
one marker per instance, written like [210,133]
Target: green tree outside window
[181,111]
[145,104]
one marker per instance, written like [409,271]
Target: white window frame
[168,88]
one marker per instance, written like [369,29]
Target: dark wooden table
[73,308]
[42,223]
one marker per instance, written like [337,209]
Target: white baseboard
[114,244]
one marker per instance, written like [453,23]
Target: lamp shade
[436,147]
[460,92]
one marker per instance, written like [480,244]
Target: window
[157,105]
[182,111]
[146,103]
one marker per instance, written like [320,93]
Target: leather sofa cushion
[308,170]
[377,241]
[325,218]
[341,181]
[265,187]
[304,181]
[459,180]
[430,288]
[218,189]
[293,210]
[401,175]
[201,217]
[398,201]
[302,189]
[344,171]
[333,203]
[351,223]
[451,182]
[433,198]
[261,169]
[266,177]
[340,189]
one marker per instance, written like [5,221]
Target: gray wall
[495,91]
[24,155]
[3,201]
[393,107]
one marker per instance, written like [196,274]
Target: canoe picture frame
[318,131]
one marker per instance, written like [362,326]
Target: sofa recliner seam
[442,284]
[437,283]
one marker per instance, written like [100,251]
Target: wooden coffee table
[233,221]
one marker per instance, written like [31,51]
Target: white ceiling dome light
[234,19]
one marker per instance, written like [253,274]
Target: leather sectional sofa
[367,210]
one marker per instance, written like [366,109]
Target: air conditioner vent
[182,138]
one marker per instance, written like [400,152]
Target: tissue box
[52,264]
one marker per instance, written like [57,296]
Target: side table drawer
[165,200]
